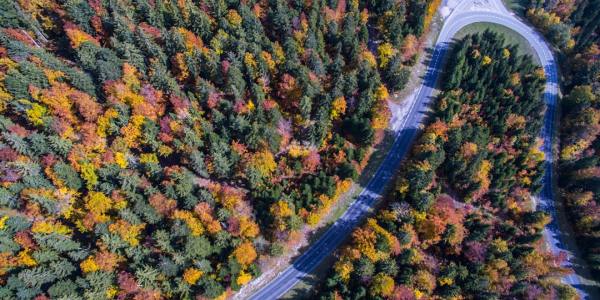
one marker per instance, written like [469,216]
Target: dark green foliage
[396,75]
[359,130]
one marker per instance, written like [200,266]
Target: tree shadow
[427,60]
[436,64]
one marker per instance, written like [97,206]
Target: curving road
[463,13]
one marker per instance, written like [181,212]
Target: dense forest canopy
[574,28]
[155,148]
[459,223]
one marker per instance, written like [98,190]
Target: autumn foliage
[573,28]
[164,149]
[459,222]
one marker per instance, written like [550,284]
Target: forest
[459,223]
[579,56]
[155,149]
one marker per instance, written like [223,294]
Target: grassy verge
[511,36]
[518,6]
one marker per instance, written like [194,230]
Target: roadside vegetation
[511,37]
[157,149]
[574,29]
[518,6]
[459,222]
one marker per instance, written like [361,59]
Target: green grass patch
[518,6]
[511,37]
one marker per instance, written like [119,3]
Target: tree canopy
[162,149]
[459,223]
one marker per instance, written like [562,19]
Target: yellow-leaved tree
[264,162]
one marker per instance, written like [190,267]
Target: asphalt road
[464,14]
